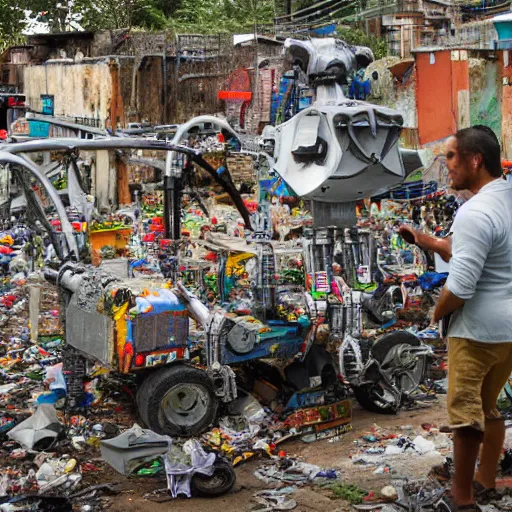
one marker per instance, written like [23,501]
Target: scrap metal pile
[244,304]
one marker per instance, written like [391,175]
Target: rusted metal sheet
[150,90]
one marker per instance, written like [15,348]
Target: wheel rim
[382,396]
[407,369]
[185,404]
[218,480]
[410,380]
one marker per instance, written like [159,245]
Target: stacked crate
[266,85]
[241,168]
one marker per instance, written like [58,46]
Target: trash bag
[42,427]
[133,448]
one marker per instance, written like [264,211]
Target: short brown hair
[481,140]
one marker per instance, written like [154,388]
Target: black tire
[365,394]
[191,387]
[364,398]
[221,482]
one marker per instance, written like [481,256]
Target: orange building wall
[506,107]
[437,95]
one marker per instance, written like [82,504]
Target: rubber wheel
[364,398]
[178,401]
[221,482]
[363,394]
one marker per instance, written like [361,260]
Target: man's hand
[441,246]
[47,383]
[447,303]
[408,233]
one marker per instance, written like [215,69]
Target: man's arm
[447,303]
[441,246]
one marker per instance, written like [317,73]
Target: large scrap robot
[333,153]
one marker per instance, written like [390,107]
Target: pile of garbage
[380,449]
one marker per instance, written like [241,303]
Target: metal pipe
[70,144]
[65,277]
[66,124]
[67,228]
[70,281]
[184,128]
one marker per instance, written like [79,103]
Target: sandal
[446,504]
[442,472]
[485,495]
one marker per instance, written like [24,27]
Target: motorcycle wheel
[221,482]
[374,397]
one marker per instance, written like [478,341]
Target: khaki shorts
[477,373]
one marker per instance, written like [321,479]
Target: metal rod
[69,144]
[67,228]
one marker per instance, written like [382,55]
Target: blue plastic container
[39,129]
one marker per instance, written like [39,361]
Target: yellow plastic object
[234,263]
[94,441]
[7,240]
[70,466]
[117,238]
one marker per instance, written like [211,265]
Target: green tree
[213,16]
[96,14]
[167,7]
[12,23]
[116,14]
[56,14]
[358,37]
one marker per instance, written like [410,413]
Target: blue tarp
[431,280]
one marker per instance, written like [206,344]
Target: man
[479,294]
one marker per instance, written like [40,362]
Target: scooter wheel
[221,482]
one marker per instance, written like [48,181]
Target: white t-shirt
[481,265]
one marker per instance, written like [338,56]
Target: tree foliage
[59,16]
[358,37]
[201,16]
[196,16]
[11,23]
[116,14]
[212,16]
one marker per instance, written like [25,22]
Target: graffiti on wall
[485,94]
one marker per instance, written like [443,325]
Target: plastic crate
[39,129]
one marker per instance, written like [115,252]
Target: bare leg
[466,444]
[492,447]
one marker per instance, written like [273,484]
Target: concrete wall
[485,93]
[392,93]
[81,89]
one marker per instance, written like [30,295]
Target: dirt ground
[327,455]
